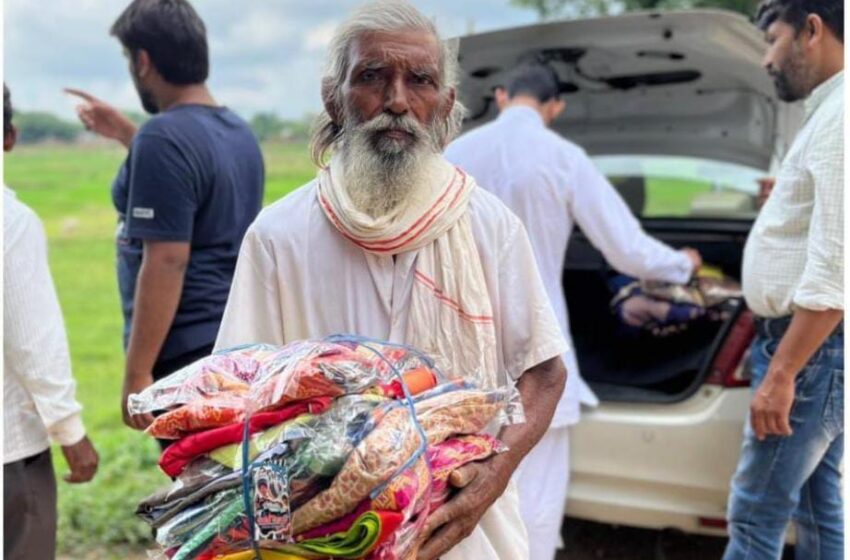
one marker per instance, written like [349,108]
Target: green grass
[69,188]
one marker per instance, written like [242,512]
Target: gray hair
[381,16]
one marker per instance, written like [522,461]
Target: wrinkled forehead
[405,49]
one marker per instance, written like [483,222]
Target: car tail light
[712,522]
[728,368]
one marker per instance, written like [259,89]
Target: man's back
[531,169]
[194,174]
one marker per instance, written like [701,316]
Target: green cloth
[220,524]
[357,542]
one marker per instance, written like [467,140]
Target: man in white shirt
[551,184]
[393,242]
[39,406]
[793,280]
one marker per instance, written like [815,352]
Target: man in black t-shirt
[191,185]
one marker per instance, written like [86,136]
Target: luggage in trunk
[621,366]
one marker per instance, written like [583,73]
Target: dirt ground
[585,540]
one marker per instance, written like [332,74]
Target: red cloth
[179,454]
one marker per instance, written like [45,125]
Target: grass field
[69,187]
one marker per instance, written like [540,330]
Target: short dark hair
[173,35]
[534,79]
[795,12]
[7,111]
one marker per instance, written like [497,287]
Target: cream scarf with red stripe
[451,317]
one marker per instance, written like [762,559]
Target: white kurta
[551,184]
[297,277]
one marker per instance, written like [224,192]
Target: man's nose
[396,100]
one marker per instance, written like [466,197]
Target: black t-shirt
[194,173]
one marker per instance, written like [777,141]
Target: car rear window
[677,187]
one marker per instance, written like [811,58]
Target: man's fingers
[460,478]
[81,94]
[785,425]
[441,542]
[779,424]
[141,421]
[757,421]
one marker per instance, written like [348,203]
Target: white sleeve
[822,284]
[607,221]
[34,331]
[253,314]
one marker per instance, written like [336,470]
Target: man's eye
[423,79]
[369,75]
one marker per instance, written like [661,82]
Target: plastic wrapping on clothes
[353,479]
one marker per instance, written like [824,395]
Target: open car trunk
[622,366]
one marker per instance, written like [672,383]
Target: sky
[265,55]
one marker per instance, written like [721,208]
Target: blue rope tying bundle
[248,466]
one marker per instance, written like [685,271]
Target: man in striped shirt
[39,406]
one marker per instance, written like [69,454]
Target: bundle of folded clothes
[338,448]
[664,309]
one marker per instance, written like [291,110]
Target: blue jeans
[795,477]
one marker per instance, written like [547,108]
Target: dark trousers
[29,508]
[167,367]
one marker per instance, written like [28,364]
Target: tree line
[42,126]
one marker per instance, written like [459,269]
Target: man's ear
[334,112]
[815,28]
[142,63]
[558,108]
[10,139]
[502,98]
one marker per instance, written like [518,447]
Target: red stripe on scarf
[377,246]
[440,295]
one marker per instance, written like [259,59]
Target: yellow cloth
[231,455]
[266,555]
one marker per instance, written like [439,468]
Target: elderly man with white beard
[390,241]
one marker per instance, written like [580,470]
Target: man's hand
[770,410]
[103,119]
[766,185]
[82,460]
[480,485]
[694,256]
[135,383]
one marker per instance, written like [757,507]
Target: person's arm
[164,189]
[607,221]
[158,290]
[103,119]
[34,337]
[481,483]
[819,297]
[770,409]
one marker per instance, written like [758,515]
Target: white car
[676,109]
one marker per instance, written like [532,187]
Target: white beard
[379,179]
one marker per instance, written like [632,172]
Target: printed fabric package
[335,448]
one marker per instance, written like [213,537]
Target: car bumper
[659,466]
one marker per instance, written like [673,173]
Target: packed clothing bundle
[338,448]
[664,309]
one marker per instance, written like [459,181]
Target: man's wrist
[128,134]
[781,374]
